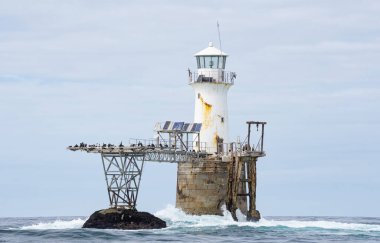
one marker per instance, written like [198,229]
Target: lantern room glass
[213,62]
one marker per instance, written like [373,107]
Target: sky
[106,71]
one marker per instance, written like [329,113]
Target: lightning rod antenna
[220,41]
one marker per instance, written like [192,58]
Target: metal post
[187,142]
[175,141]
[199,143]
[252,214]
[262,137]
[105,175]
[139,180]
[249,135]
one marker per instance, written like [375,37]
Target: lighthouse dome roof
[210,51]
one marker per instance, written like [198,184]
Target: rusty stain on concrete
[215,140]
[206,109]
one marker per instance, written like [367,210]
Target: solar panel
[178,126]
[166,126]
[170,128]
[190,127]
[185,127]
[181,126]
[198,127]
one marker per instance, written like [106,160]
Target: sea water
[189,228]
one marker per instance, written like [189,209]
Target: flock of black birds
[121,146]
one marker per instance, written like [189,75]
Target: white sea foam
[319,224]
[57,224]
[177,218]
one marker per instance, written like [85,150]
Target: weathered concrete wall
[201,187]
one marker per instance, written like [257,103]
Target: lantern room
[211,58]
[211,63]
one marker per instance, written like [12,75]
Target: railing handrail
[223,149]
[226,77]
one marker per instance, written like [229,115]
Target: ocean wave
[57,224]
[177,218]
[322,224]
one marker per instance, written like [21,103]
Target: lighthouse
[211,84]
[202,185]
[213,173]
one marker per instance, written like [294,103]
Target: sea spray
[56,224]
[176,218]
[191,228]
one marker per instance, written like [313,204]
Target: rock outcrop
[126,219]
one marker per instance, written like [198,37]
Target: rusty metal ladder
[242,186]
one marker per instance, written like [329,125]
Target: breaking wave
[57,224]
[177,218]
[190,228]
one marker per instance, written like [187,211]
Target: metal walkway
[123,165]
[148,153]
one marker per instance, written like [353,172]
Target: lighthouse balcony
[214,76]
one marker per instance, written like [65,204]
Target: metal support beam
[123,165]
[252,213]
[123,174]
[234,176]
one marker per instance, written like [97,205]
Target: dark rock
[254,216]
[117,218]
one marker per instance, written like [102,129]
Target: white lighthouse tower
[211,84]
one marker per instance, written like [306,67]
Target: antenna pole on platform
[220,40]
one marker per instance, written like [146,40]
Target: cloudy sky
[106,71]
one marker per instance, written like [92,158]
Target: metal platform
[123,164]
[148,153]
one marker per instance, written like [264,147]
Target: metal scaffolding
[123,165]
[123,175]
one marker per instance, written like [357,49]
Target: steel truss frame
[123,166]
[172,156]
[123,175]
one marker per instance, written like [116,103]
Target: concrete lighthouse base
[202,188]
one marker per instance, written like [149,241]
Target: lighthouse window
[221,62]
[201,62]
[208,62]
[214,62]
[211,61]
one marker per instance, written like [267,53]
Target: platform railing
[240,148]
[169,145]
[215,76]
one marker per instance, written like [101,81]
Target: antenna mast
[220,41]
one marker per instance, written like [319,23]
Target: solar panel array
[181,126]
